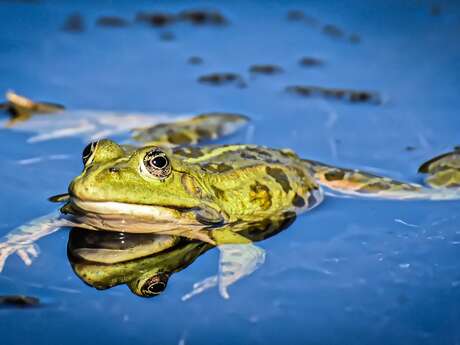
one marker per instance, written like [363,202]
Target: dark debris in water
[112,21]
[330,30]
[167,36]
[21,108]
[195,60]
[155,19]
[265,69]
[195,17]
[435,10]
[219,79]
[354,96]
[202,17]
[19,301]
[336,32]
[354,38]
[307,61]
[300,16]
[74,23]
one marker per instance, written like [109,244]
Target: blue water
[349,272]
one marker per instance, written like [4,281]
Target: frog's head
[131,190]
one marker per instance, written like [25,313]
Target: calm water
[351,271]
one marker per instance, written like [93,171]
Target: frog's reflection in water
[145,262]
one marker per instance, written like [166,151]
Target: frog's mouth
[134,218]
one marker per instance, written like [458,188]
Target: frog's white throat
[125,217]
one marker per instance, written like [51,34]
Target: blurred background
[361,84]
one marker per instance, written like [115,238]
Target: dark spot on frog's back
[374,187]
[300,173]
[189,152]
[219,193]
[216,168]
[334,175]
[280,177]
[260,152]
[260,194]
[298,201]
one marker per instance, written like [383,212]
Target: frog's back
[253,182]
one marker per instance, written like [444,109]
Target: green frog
[167,182]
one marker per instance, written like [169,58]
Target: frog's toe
[27,252]
[5,252]
[201,286]
[237,261]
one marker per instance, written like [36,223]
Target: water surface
[351,271]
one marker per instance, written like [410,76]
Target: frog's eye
[156,164]
[154,285]
[88,153]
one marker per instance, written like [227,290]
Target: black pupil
[160,162]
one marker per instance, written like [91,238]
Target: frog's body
[206,188]
[165,184]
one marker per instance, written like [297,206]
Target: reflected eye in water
[156,164]
[153,286]
[88,152]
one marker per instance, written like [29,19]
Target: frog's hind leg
[235,262]
[239,257]
[443,171]
[353,182]
[192,131]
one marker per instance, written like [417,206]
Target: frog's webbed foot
[236,261]
[192,131]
